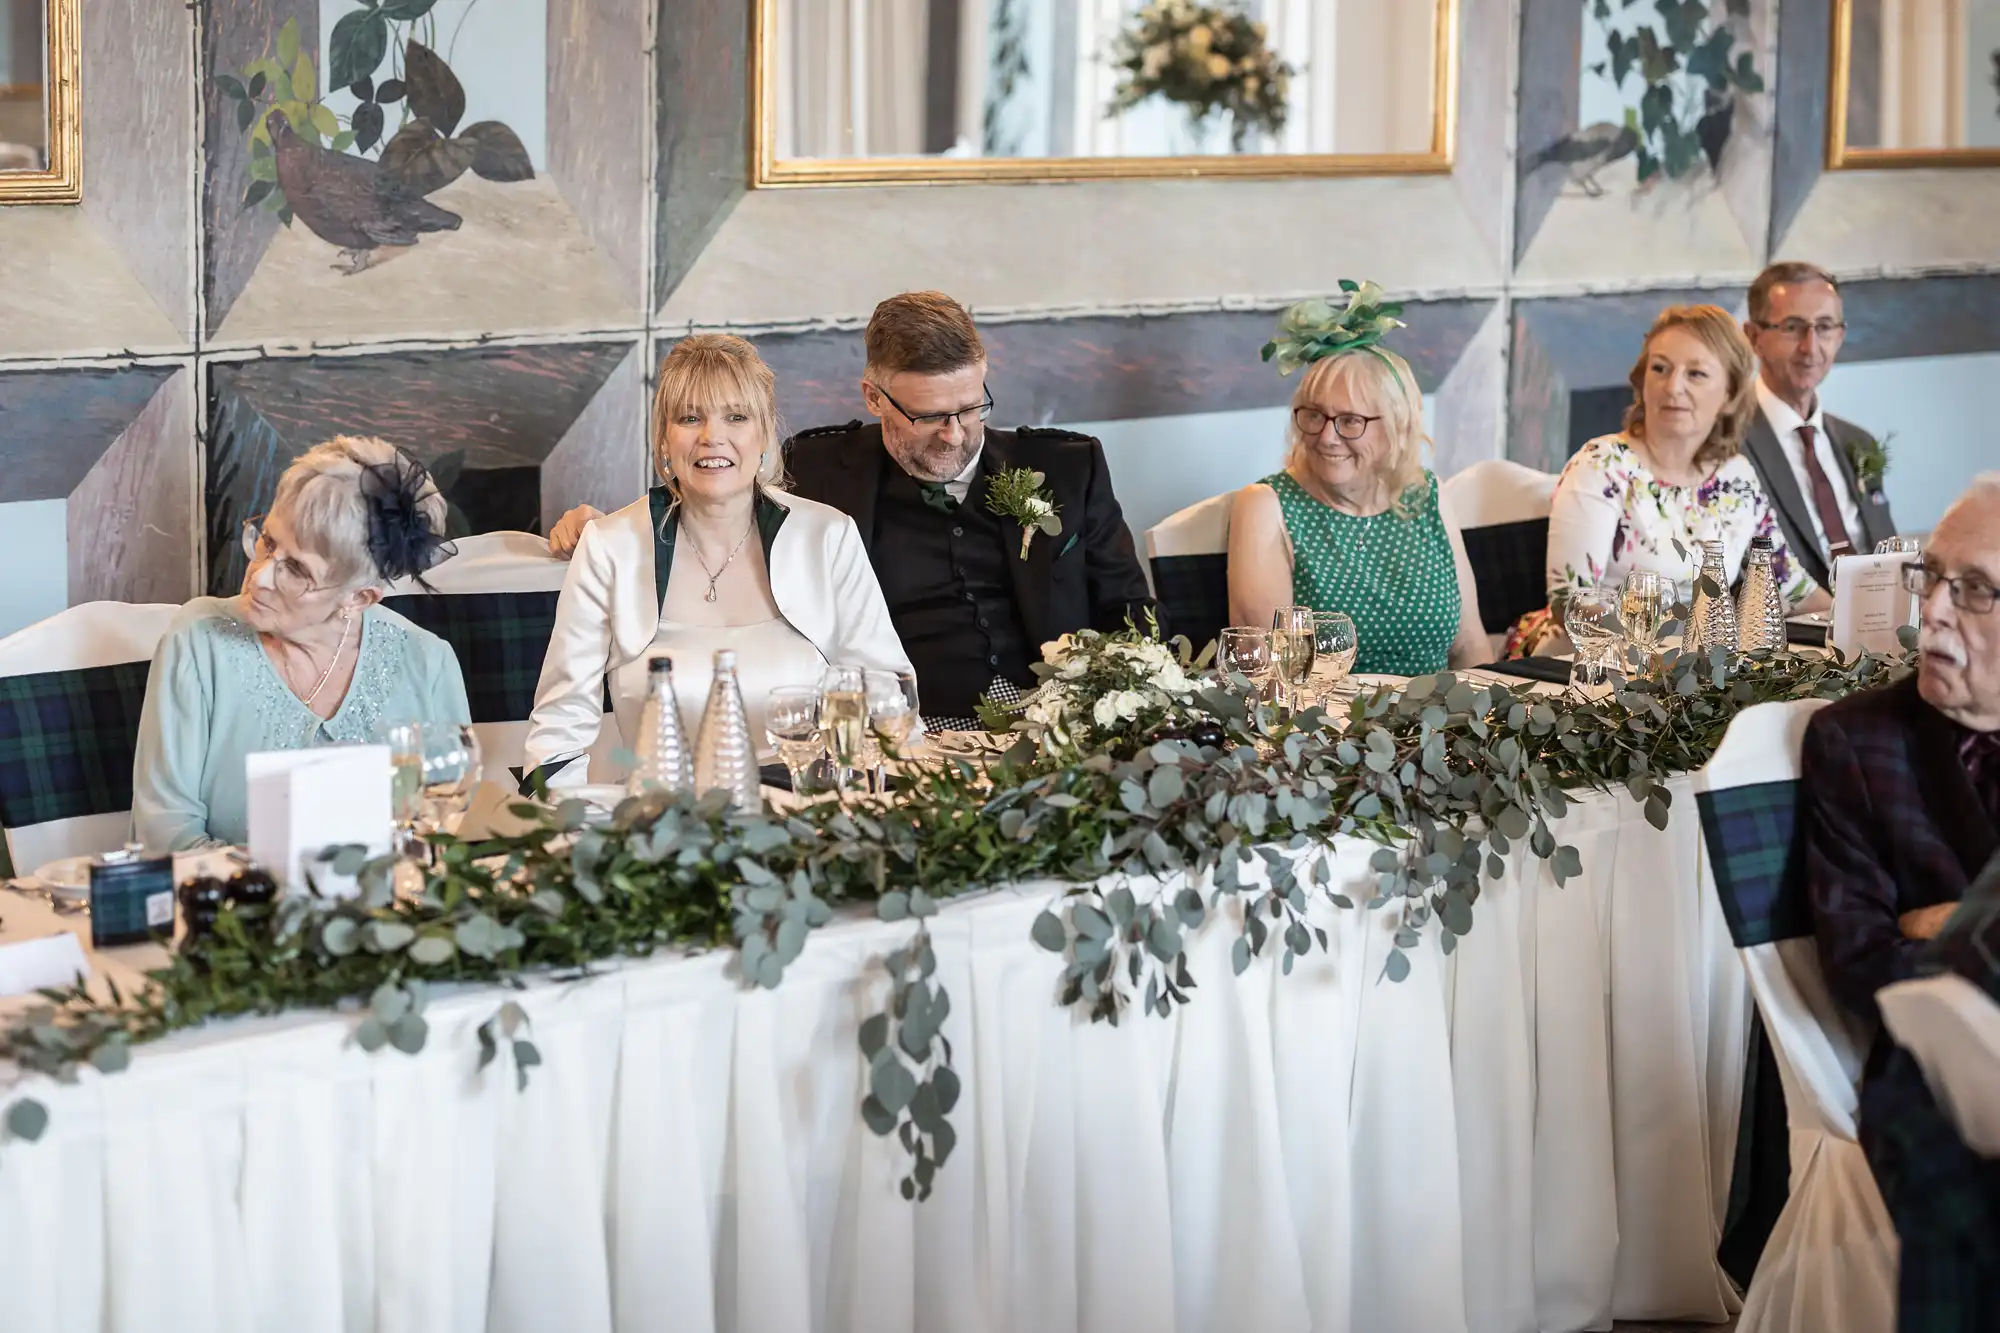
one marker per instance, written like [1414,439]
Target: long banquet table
[1533,1133]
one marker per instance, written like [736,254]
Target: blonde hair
[712,370]
[1719,332]
[1381,384]
[321,497]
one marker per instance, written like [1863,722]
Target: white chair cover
[1200,529]
[1952,1029]
[507,562]
[1496,490]
[1830,1263]
[93,634]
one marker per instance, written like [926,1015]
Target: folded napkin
[1554,670]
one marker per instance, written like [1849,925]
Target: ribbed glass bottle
[725,753]
[1712,624]
[664,763]
[1760,608]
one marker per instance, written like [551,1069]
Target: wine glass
[1243,650]
[791,723]
[843,718]
[1898,546]
[1590,618]
[891,718]
[450,773]
[1291,651]
[1335,644]
[1642,608]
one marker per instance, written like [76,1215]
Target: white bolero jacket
[609,612]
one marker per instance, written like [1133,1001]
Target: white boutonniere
[1018,494]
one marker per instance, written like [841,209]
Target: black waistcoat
[950,595]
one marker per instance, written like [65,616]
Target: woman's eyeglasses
[967,417]
[1349,426]
[1968,592]
[291,578]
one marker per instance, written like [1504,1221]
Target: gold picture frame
[768,171]
[1843,156]
[62,182]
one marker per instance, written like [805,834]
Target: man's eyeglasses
[291,578]
[1796,329]
[1349,426]
[966,417]
[1969,592]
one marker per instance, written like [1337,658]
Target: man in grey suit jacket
[1805,457]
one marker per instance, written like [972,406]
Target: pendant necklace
[733,552]
[346,627]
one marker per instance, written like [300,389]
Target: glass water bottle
[664,763]
[1712,624]
[725,754]
[1760,610]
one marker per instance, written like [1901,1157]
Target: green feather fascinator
[1317,327]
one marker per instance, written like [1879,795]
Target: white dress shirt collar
[960,485]
[1785,419]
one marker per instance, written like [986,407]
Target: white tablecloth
[1534,1133]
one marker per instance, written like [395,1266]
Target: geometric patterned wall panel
[486,420]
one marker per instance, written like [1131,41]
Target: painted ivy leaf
[497,152]
[355,50]
[260,188]
[434,92]
[288,43]
[26,1119]
[231,86]
[405,10]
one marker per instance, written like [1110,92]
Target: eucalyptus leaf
[26,1119]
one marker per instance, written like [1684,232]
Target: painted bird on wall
[351,202]
[1587,151]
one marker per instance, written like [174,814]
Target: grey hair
[321,498]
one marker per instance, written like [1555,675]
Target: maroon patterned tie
[1839,541]
[1980,753]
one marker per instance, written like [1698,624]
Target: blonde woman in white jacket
[714,557]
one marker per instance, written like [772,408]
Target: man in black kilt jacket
[971,603]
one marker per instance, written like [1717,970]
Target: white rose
[1129,704]
[1072,669]
[1105,713]
[1173,680]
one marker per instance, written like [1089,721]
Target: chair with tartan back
[1502,509]
[1830,1262]
[71,690]
[1189,555]
[494,602]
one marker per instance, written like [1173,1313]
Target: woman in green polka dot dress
[1355,522]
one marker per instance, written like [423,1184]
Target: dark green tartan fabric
[66,742]
[1750,834]
[1193,592]
[499,638]
[1510,568]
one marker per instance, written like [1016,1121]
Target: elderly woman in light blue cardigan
[304,655]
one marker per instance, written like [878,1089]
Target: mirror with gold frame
[884,91]
[41,140]
[1915,83]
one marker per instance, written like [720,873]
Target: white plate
[603,795]
[67,878]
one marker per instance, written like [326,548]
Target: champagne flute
[1335,645]
[1898,546]
[406,773]
[1590,618]
[1291,651]
[791,723]
[1642,607]
[843,719]
[1243,650]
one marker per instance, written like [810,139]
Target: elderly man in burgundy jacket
[1901,807]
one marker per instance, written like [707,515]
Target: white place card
[303,801]
[26,966]
[1870,603]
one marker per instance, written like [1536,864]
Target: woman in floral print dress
[1675,474]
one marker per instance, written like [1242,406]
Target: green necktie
[936,496]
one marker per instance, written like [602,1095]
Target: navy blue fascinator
[401,541]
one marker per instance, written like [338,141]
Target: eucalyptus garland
[1446,774]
